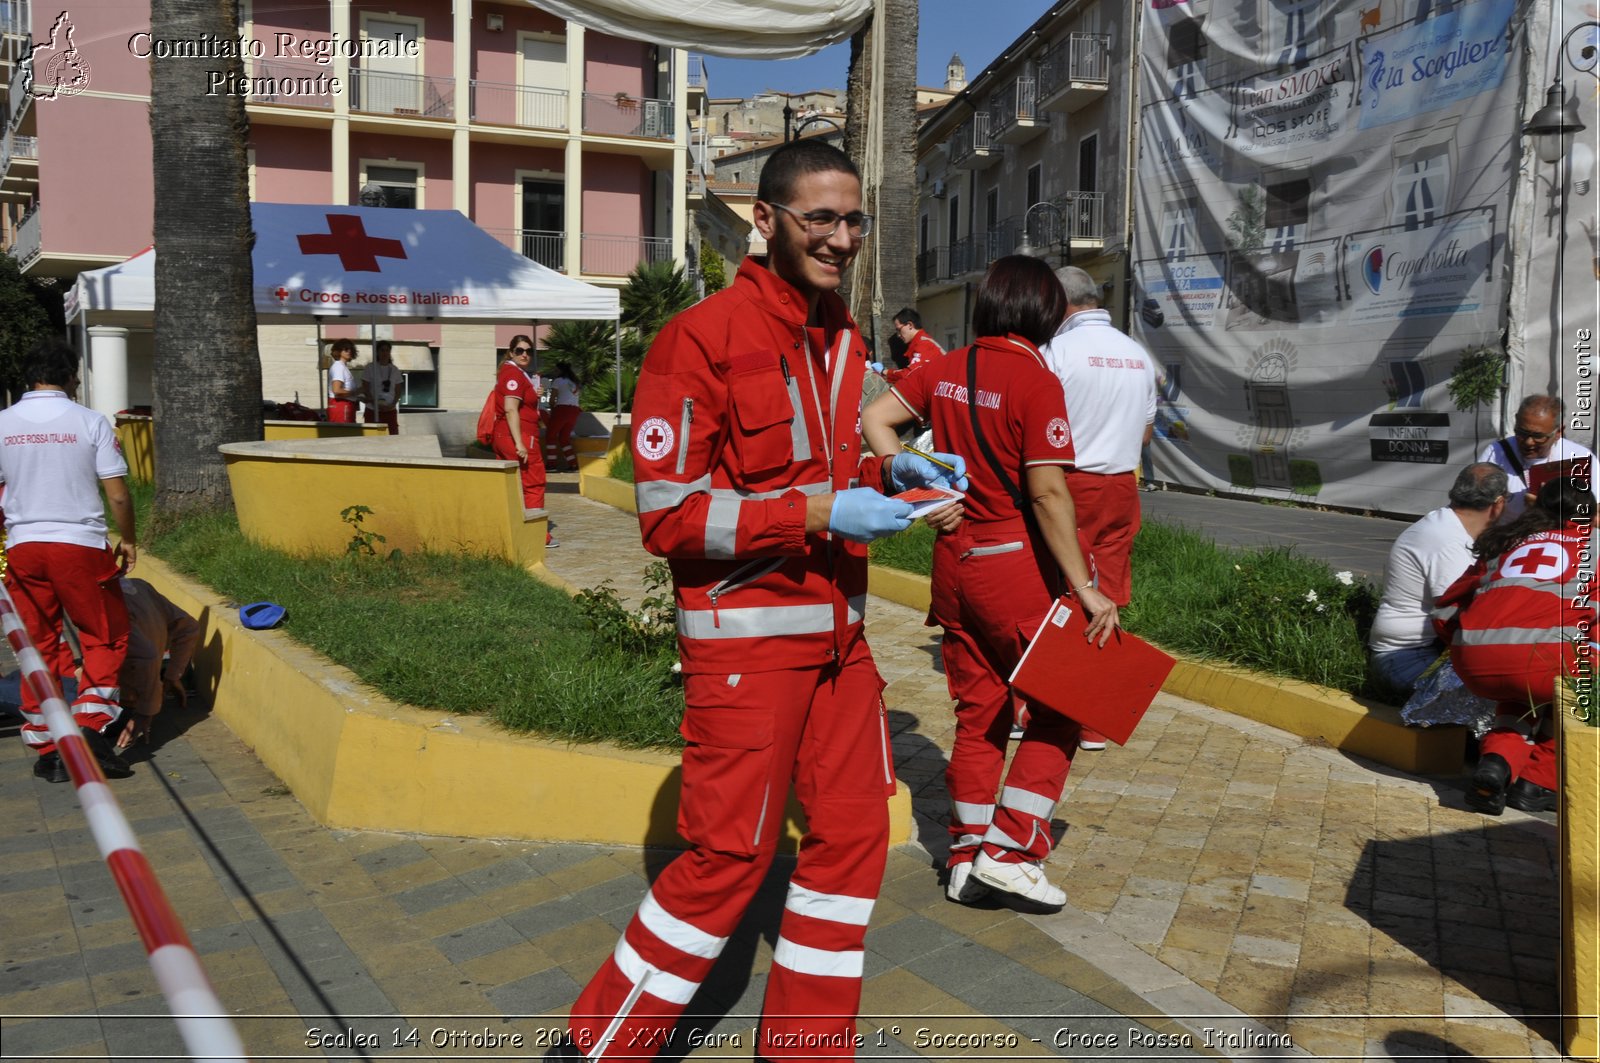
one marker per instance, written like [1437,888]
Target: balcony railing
[1082,59]
[519,105]
[29,240]
[16,146]
[933,265]
[547,247]
[616,256]
[1017,102]
[621,115]
[972,141]
[695,67]
[407,95]
[16,100]
[1082,214]
[16,17]
[292,84]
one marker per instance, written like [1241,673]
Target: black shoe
[1486,792]
[111,764]
[1525,796]
[565,1049]
[50,769]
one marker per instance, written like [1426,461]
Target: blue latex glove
[876,367]
[909,470]
[863,514]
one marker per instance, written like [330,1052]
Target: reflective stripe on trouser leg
[1021,827]
[983,727]
[814,988]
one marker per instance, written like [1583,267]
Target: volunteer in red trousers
[516,422]
[1515,621]
[750,481]
[1110,385]
[55,458]
[342,383]
[563,420]
[998,572]
[920,347]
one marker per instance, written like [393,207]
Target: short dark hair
[382,345]
[343,345]
[51,361]
[908,316]
[1019,294]
[795,160]
[1478,486]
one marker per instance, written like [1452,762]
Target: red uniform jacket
[919,351]
[514,382]
[1522,610]
[741,412]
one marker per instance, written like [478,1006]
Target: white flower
[1345,577]
[1321,608]
[1311,595]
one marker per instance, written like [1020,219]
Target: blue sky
[976,30]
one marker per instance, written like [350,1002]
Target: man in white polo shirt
[1110,383]
[55,456]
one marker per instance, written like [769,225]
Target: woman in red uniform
[999,570]
[516,421]
[1516,620]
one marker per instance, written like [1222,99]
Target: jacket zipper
[740,577]
[883,739]
[683,433]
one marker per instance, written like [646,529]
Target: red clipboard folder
[1544,472]
[1105,688]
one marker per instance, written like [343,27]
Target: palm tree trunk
[207,366]
[886,280]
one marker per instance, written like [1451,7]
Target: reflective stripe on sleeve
[722,528]
[653,495]
[1512,636]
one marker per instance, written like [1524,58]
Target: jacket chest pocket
[763,413]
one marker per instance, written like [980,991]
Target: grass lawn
[466,635]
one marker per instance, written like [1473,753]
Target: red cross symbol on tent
[347,237]
[1536,561]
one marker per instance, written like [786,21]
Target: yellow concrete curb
[602,488]
[1352,724]
[355,759]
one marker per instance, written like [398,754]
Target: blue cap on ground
[258,616]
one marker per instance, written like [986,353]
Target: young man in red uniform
[751,482]
[55,458]
[920,347]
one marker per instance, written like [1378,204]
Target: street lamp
[1553,125]
[1063,223]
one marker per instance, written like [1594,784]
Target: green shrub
[910,551]
[621,467]
[1305,477]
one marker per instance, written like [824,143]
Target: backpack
[486,419]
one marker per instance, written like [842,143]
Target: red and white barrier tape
[206,1031]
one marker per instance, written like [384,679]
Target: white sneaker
[1024,880]
[1088,739]
[962,887]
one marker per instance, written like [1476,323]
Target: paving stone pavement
[1222,877]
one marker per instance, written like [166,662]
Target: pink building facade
[568,145]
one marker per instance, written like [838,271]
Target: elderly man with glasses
[1538,436]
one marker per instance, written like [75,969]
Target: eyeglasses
[824,223]
[1535,437]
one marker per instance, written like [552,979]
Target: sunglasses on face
[522,350]
[1529,436]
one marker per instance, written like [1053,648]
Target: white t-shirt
[383,384]
[1110,383]
[53,455]
[1425,559]
[565,390]
[340,371]
[1516,486]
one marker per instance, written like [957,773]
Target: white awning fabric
[743,29]
[315,261]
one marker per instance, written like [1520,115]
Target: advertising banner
[1323,234]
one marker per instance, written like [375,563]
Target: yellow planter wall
[1580,884]
[290,497]
[137,435]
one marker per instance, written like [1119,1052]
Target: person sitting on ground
[161,642]
[1424,561]
[1515,622]
[1538,435]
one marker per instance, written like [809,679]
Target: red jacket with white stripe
[1521,611]
[740,413]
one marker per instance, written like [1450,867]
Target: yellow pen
[929,457]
